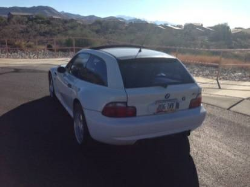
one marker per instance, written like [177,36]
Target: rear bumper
[122,131]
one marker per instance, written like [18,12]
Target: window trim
[70,63]
[92,56]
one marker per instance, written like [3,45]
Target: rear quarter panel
[95,97]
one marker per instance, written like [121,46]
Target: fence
[213,63]
[228,64]
[48,47]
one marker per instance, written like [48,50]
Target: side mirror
[61,69]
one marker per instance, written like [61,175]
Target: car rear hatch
[158,85]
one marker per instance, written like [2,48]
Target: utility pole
[74,45]
[55,47]
[7,49]
[219,70]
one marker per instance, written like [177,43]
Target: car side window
[77,64]
[96,71]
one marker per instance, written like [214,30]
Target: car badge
[167,96]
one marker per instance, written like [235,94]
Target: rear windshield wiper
[164,85]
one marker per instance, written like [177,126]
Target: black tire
[51,87]
[187,133]
[80,126]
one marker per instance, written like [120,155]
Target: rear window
[150,72]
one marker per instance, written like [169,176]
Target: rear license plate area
[166,106]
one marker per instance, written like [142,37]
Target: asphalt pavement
[37,146]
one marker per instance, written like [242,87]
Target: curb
[238,105]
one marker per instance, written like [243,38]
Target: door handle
[55,73]
[69,85]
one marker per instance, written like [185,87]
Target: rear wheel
[186,133]
[80,126]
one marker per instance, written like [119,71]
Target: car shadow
[38,148]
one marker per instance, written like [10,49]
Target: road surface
[37,146]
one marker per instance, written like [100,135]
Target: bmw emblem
[167,96]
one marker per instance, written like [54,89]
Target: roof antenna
[143,42]
[146,36]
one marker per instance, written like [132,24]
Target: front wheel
[80,126]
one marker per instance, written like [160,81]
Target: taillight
[194,103]
[119,110]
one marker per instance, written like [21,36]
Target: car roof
[127,52]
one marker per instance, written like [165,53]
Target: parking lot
[37,146]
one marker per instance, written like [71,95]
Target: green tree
[222,32]
[3,21]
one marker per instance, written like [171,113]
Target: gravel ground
[208,71]
[34,55]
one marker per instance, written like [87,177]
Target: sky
[209,12]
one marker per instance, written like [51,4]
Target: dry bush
[204,59]
[199,58]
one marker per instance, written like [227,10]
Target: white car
[122,94]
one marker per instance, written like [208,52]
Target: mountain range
[43,10]
[51,12]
